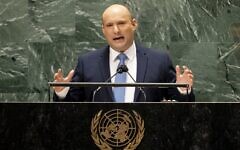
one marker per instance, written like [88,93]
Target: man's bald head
[115,9]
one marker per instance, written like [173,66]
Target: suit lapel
[105,70]
[142,61]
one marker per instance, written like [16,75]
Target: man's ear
[134,23]
[103,31]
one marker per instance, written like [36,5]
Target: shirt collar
[130,53]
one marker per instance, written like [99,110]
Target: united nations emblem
[117,129]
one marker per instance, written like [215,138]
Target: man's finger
[69,76]
[184,67]
[59,71]
[58,75]
[187,71]
[178,71]
[55,76]
[190,76]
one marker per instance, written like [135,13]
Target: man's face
[118,28]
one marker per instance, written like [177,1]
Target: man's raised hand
[185,76]
[58,77]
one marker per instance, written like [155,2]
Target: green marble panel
[52,19]
[15,24]
[13,67]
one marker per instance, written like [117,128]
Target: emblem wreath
[130,146]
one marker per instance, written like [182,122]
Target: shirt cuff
[62,94]
[184,92]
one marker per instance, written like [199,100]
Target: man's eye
[121,23]
[109,25]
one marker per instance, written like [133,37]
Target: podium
[167,126]
[99,85]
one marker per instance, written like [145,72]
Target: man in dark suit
[145,65]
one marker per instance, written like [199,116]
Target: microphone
[124,68]
[120,69]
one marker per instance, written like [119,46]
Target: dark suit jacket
[152,66]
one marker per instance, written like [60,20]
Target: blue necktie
[119,92]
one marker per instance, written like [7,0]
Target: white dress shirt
[131,63]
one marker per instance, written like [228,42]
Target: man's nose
[116,29]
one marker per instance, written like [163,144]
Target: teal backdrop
[39,36]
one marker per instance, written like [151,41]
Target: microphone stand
[125,69]
[119,70]
[140,88]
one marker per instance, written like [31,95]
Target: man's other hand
[58,77]
[184,76]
